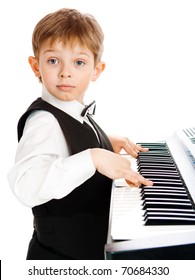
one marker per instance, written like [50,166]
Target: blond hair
[69,26]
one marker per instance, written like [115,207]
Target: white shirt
[43,168]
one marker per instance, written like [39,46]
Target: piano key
[163,195]
[157,175]
[167,200]
[168,210]
[161,172]
[175,184]
[170,213]
[146,161]
[163,204]
[165,189]
[170,221]
[158,163]
[154,154]
[155,157]
[172,180]
[168,216]
[154,145]
[158,189]
[161,168]
[170,184]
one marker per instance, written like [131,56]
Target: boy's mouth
[65,87]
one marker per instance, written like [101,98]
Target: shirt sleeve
[43,168]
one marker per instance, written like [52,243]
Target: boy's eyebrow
[49,50]
[85,53]
[77,53]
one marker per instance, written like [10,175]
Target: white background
[145,93]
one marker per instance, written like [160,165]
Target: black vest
[77,224]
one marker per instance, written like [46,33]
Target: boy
[65,163]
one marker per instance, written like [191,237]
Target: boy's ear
[34,65]
[99,68]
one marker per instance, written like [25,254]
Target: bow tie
[89,109]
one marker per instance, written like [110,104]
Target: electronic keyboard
[158,218]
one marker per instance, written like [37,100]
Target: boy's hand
[119,143]
[116,166]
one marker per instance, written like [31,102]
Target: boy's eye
[53,61]
[79,63]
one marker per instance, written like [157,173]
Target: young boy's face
[66,71]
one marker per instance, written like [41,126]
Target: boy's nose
[65,72]
[65,75]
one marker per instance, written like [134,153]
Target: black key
[148,195]
[162,188]
[163,204]
[169,221]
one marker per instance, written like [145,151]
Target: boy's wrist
[96,154]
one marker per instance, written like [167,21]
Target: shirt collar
[73,108]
